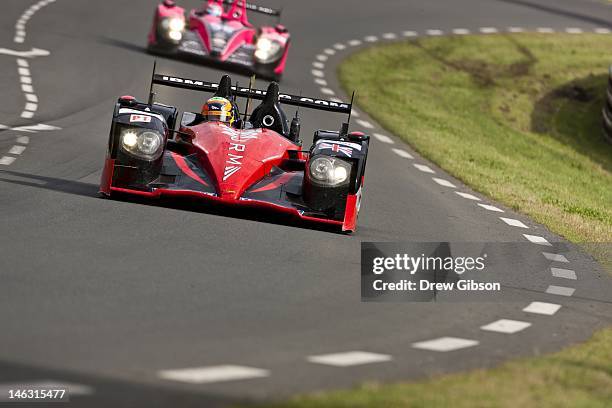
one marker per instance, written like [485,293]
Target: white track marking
[402,153]
[389,36]
[555,257]
[513,223]
[23,140]
[537,240]
[444,182]
[7,160]
[468,196]
[25,79]
[506,326]
[320,81]
[322,57]
[72,389]
[36,128]
[490,207]
[27,88]
[318,65]
[339,46]
[17,150]
[383,138]
[424,168]
[354,43]
[561,273]
[355,114]
[445,344]
[560,290]
[318,73]
[34,52]
[349,358]
[516,29]
[488,30]
[461,31]
[20,32]
[601,30]
[542,308]
[329,51]
[213,374]
[434,32]
[574,30]
[545,30]
[365,124]
[327,91]
[410,34]
[371,38]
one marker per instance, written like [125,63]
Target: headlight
[144,144]
[329,171]
[268,50]
[173,24]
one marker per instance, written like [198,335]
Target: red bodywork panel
[236,159]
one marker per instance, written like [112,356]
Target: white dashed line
[371,38]
[488,30]
[506,326]
[365,124]
[17,150]
[389,36]
[461,31]
[329,51]
[20,32]
[423,168]
[318,73]
[27,114]
[545,30]
[434,32]
[537,240]
[327,91]
[468,196]
[23,140]
[601,30]
[542,308]
[410,33]
[27,88]
[560,290]
[573,30]
[320,81]
[516,29]
[322,57]
[513,223]
[383,138]
[339,46]
[212,374]
[444,182]
[555,257]
[490,207]
[445,344]
[561,273]
[354,43]
[7,160]
[349,358]
[318,65]
[402,153]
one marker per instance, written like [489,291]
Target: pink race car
[221,32]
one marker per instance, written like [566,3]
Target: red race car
[221,32]
[218,156]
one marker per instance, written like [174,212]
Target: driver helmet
[214,10]
[218,109]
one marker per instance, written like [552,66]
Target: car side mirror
[294,131]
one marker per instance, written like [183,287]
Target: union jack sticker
[335,147]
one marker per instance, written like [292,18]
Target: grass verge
[580,376]
[516,117]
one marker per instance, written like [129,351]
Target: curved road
[116,298]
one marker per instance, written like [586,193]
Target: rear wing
[259,9]
[204,86]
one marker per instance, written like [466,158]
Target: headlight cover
[145,144]
[173,27]
[329,171]
[268,50]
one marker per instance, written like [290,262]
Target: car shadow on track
[93,391]
[192,205]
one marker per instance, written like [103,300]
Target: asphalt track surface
[106,294]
